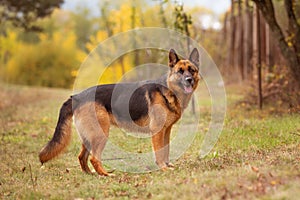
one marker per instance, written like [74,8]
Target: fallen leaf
[149,195]
[7,193]
[195,181]
[273,182]
[255,169]
[271,175]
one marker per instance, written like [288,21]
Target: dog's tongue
[188,89]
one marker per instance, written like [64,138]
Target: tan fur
[92,123]
[52,149]
[56,146]
[83,160]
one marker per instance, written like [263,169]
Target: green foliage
[83,26]
[182,19]
[24,13]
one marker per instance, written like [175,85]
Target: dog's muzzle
[188,84]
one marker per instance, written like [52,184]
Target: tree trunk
[133,25]
[259,83]
[231,53]
[240,49]
[294,27]
[262,27]
[268,61]
[225,27]
[248,70]
[290,50]
[224,37]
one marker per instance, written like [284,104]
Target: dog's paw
[170,165]
[166,168]
[111,175]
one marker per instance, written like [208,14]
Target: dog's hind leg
[92,122]
[83,159]
[98,166]
[97,148]
[99,140]
[98,145]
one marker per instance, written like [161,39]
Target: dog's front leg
[167,147]
[158,147]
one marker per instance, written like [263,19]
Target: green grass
[256,156]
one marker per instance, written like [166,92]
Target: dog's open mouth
[187,88]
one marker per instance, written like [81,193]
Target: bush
[50,62]
[280,90]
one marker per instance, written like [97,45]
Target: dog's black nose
[189,79]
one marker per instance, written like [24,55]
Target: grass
[256,156]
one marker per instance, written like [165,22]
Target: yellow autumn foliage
[54,59]
[50,62]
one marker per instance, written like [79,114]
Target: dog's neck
[173,97]
[183,99]
[176,99]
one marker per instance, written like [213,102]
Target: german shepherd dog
[153,107]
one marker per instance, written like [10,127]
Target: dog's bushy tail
[62,134]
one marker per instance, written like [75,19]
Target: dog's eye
[191,70]
[181,71]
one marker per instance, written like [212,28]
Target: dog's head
[184,73]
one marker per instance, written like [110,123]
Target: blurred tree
[133,19]
[162,12]
[7,43]
[51,62]
[290,44]
[240,41]
[231,51]
[24,13]
[248,43]
[83,25]
[182,19]
[259,55]
[59,20]
[182,22]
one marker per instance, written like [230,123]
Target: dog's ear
[173,58]
[195,57]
